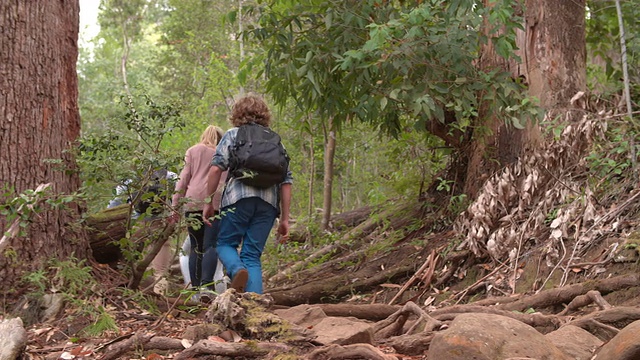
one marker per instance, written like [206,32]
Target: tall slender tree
[40,123]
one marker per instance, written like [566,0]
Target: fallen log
[372,312]
[355,351]
[251,349]
[105,229]
[564,295]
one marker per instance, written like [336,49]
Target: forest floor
[545,237]
[391,258]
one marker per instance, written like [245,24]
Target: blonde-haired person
[190,195]
[254,209]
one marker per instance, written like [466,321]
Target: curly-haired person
[254,210]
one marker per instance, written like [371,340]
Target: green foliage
[199,60]
[603,46]
[74,281]
[141,299]
[71,277]
[610,160]
[19,207]
[457,202]
[38,279]
[129,150]
[387,64]
[103,322]
[125,47]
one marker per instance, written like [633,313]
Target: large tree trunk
[553,53]
[39,123]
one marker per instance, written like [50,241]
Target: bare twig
[463,292]
[415,276]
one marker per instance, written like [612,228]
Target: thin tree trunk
[627,92]
[329,153]
[241,39]
[312,168]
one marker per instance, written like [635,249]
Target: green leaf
[383,103]
[312,79]
[439,88]
[328,19]
[517,123]
[300,72]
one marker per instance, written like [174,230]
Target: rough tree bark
[553,65]
[39,122]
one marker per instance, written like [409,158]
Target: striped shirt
[236,190]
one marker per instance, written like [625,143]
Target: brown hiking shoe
[239,281]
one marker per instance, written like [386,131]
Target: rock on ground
[489,337]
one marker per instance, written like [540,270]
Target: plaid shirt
[235,189]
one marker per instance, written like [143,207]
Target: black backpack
[258,158]
[153,195]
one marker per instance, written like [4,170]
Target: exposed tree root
[614,318]
[355,351]
[242,349]
[394,324]
[584,300]
[373,312]
[564,295]
[415,344]
[542,322]
[118,349]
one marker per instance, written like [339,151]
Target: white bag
[218,277]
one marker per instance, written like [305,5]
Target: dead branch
[584,300]
[454,262]
[429,263]
[355,351]
[118,349]
[367,276]
[462,293]
[566,294]
[373,312]
[164,343]
[536,320]
[242,349]
[400,317]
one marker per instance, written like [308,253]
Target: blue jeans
[249,223]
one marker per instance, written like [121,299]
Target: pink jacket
[193,179]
